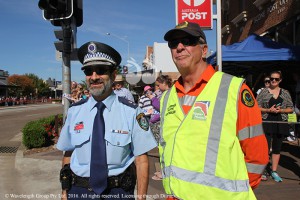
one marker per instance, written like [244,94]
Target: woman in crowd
[275,104]
[267,84]
[163,83]
[145,103]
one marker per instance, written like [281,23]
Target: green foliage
[40,133]
[24,85]
[41,87]
[83,84]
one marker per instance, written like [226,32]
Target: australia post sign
[198,11]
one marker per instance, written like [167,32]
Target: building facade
[276,19]
[3,83]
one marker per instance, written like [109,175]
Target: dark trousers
[76,193]
[275,141]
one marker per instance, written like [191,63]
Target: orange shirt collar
[204,78]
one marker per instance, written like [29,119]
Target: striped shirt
[145,104]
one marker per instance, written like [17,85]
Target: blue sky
[27,40]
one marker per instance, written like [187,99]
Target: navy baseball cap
[190,28]
[97,53]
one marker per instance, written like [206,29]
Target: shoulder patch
[247,98]
[143,121]
[127,102]
[82,101]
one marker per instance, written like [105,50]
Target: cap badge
[182,25]
[92,48]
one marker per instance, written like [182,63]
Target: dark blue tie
[98,170]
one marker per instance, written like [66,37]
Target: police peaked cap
[96,53]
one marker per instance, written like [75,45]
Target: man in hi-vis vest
[212,144]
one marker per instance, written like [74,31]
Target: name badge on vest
[200,110]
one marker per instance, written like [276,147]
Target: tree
[42,88]
[84,85]
[24,85]
[28,84]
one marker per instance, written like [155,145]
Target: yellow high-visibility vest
[200,154]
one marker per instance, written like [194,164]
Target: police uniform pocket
[82,149]
[79,138]
[117,147]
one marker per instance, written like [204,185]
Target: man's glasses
[276,79]
[188,41]
[267,81]
[99,71]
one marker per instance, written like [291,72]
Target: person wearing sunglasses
[266,83]
[212,144]
[104,156]
[85,94]
[275,104]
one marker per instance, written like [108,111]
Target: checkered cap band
[98,56]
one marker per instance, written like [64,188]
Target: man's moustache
[96,81]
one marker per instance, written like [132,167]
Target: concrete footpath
[36,176]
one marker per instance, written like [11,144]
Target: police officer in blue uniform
[126,136]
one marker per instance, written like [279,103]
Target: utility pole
[68,15]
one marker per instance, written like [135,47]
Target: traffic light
[65,40]
[78,13]
[59,34]
[58,10]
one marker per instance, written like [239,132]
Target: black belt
[126,180]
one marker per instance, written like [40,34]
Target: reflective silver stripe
[208,179]
[250,132]
[163,109]
[187,100]
[255,168]
[216,126]
[162,142]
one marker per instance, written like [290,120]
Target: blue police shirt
[124,92]
[126,133]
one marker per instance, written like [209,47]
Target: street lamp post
[110,34]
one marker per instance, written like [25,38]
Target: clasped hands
[275,109]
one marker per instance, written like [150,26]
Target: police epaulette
[127,102]
[82,101]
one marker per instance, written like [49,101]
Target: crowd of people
[214,136]
[13,101]
[78,92]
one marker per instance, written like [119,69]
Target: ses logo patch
[200,110]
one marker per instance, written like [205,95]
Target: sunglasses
[188,41]
[276,79]
[267,81]
[99,71]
